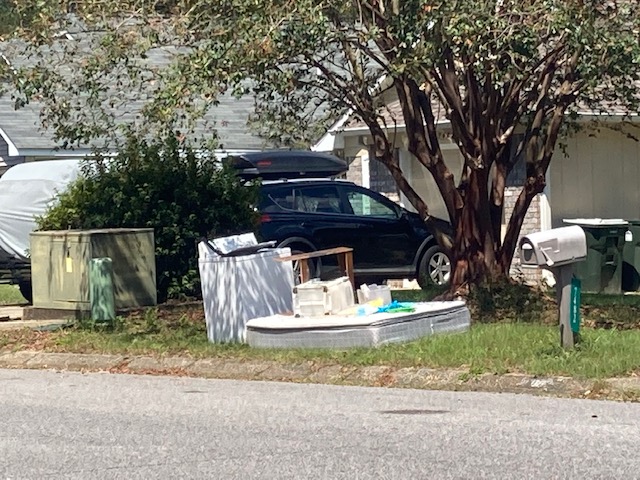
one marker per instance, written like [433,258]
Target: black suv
[308,214]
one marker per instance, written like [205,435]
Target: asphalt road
[94,426]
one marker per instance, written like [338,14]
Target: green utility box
[631,258]
[601,272]
[60,266]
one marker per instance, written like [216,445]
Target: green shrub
[166,186]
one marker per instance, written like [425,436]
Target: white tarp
[26,191]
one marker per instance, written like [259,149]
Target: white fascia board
[607,117]
[327,142]
[13,151]
[361,129]
[583,117]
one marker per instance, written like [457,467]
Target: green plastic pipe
[101,291]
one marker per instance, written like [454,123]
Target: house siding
[4,155]
[4,149]
[597,176]
[423,183]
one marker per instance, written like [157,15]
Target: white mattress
[334,331]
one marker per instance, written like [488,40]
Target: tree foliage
[488,67]
[162,185]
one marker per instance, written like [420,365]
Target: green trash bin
[631,258]
[601,272]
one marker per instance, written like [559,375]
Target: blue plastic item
[397,307]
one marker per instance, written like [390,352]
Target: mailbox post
[557,250]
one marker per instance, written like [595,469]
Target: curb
[622,389]
[32,324]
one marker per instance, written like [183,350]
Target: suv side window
[278,199]
[365,205]
[308,199]
[319,199]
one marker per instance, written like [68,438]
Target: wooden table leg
[342,264]
[345,262]
[349,268]
[304,270]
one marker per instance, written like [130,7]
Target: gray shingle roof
[229,118]
[22,126]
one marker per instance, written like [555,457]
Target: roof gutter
[47,152]
[583,117]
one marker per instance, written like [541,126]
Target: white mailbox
[553,248]
[556,250]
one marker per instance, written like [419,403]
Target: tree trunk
[474,256]
[532,187]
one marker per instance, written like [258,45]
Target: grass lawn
[521,336]
[10,295]
[487,348]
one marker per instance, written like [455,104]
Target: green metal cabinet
[60,266]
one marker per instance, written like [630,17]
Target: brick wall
[380,179]
[354,174]
[531,224]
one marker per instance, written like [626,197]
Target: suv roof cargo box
[289,164]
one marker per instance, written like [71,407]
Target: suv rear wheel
[435,268]
[26,290]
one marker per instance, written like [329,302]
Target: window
[279,199]
[380,179]
[314,199]
[365,205]
[518,175]
[321,199]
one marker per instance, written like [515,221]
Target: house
[22,138]
[596,175]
